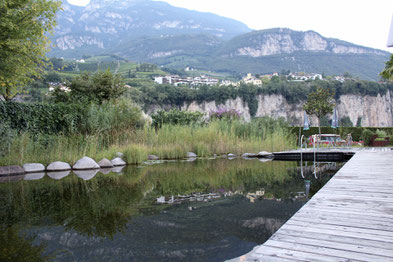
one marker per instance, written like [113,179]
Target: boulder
[58,166]
[85,163]
[34,176]
[232,155]
[152,157]
[191,155]
[105,163]
[264,154]
[118,162]
[34,168]
[59,174]
[86,174]
[11,170]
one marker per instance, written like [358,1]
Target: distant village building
[304,76]
[228,83]
[339,78]
[250,79]
[191,81]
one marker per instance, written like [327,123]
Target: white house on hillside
[250,79]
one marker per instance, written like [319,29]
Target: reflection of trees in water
[103,205]
[97,207]
[16,246]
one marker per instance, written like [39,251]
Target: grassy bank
[168,142]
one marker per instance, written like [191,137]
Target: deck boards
[349,219]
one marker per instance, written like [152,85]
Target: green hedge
[356,132]
[41,118]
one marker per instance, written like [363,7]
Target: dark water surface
[211,210]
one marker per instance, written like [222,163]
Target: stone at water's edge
[152,157]
[232,155]
[33,167]
[85,163]
[264,154]
[58,166]
[191,155]
[105,163]
[118,162]
[11,170]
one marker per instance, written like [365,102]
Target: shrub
[177,117]
[366,136]
[381,133]
[70,118]
[225,113]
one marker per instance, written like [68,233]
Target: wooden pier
[349,219]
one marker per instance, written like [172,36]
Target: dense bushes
[41,118]
[176,117]
[68,118]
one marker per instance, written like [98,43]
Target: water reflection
[210,210]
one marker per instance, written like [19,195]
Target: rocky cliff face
[373,111]
[104,24]
[286,41]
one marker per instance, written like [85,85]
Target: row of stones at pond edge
[87,163]
[57,175]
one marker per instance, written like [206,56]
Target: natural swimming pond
[204,210]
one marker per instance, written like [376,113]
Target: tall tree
[387,73]
[319,103]
[87,88]
[24,25]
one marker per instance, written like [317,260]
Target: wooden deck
[349,219]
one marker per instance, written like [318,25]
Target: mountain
[276,49]
[103,24]
[156,32]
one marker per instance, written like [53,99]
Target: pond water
[204,210]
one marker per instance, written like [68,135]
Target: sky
[362,22]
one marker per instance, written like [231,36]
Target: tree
[319,103]
[23,41]
[88,88]
[387,73]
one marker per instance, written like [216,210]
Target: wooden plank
[342,221]
[348,211]
[343,213]
[351,247]
[337,239]
[318,230]
[343,228]
[281,252]
[323,251]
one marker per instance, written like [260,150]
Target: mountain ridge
[156,32]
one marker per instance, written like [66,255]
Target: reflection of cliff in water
[207,233]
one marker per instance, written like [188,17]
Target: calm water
[206,210]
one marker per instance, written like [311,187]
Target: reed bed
[168,142]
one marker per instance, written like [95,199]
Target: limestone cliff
[374,111]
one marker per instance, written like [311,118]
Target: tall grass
[169,142]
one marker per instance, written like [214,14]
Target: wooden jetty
[349,219]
